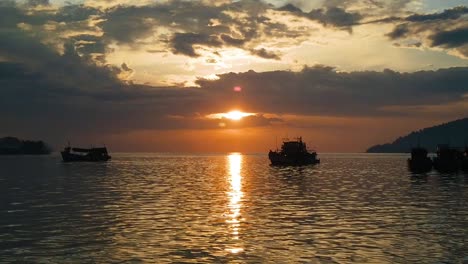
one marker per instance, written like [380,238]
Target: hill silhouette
[454,133]
[15,146]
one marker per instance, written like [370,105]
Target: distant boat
[419,161]
[448,159]
[293,153]
[81,154]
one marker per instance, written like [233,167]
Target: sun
[236,115]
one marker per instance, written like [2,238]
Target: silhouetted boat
[80,154]
[419,161]
[448,159]
[293,153]
[465,160]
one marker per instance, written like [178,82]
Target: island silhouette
[454,134]
[15,146]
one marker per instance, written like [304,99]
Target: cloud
[213,25]
[232,41]
[399,31]
[74,13]
[43,88]
[450,39]
[263,53]
[193,24]
[291,8]
[191,28]
[86,44]
[323,91]
[448,14]
[128,24]
[182,43]
[40,98]
[367,6]
[9,14]
[180,27]
[330,16]
[335,16]
[35,3]
[447,30]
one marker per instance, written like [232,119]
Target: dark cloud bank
[447,29]
[45,92]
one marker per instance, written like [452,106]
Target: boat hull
[465,165]
[277,159]
[420,165]
[447,165]
[71,157]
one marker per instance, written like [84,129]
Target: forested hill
[14,146]
[454,133]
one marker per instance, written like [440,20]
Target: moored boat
[419,161]
[70,154]
[293,153]
[465,160]
[448,159]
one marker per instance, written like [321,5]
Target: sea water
[229,208]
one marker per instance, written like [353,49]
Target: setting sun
[236,115]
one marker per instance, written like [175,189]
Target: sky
[160,75]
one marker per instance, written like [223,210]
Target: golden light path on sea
[235,198]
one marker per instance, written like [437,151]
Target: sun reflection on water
[235,198]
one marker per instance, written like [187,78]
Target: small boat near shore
[448,159]
[419,161]
[293,153]
[465,160]
[70,154]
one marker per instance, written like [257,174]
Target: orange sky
[357,137]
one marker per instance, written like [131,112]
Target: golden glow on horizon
[235,115]
[235,198]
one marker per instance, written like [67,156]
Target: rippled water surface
[155,208]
